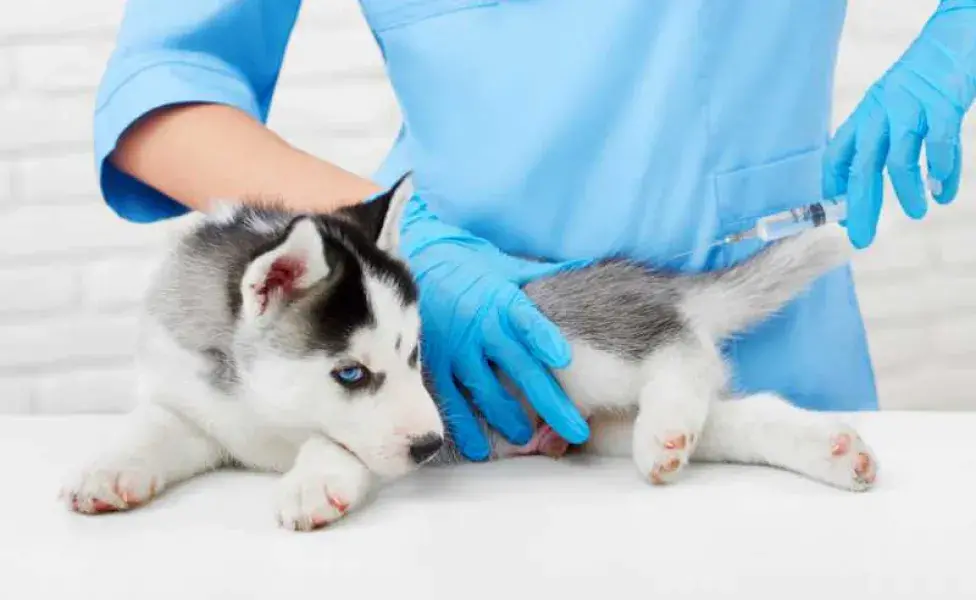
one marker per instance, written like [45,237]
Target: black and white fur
[289,344]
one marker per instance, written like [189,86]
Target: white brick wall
[72,274]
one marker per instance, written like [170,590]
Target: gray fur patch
[615,306]
[223,372]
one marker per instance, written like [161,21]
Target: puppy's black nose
[425,446]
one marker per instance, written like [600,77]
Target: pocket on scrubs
[747,194]
[384,15]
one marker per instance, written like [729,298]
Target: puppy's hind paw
[854,464]
[833,453]
[664,456]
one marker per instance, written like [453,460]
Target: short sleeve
[184,51]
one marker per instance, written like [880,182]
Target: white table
[527,528]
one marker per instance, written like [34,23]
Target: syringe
[793,221]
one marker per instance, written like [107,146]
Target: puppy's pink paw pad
[677,442]
[840,445]
[339,504]
[864,467]
[852,454]
[661,472]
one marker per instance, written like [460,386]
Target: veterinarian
[561,129]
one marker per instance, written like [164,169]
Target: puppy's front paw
[106,489]
[307,499]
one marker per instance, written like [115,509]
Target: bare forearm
[196,153]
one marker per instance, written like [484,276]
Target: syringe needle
[734,238]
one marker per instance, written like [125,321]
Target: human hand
[924,96]
[473,311]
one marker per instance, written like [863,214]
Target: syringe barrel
[798,220]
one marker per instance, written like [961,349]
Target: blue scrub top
[562,129]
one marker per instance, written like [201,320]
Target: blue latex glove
[474,311]
[924,96]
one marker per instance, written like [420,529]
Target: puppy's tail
[728,301]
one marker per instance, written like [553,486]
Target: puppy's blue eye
[350,376]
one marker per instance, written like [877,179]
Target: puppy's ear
[380,217]
[276,277]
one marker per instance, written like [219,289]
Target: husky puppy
[289,343]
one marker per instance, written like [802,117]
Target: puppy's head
[329,325]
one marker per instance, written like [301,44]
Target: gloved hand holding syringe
[797,220]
